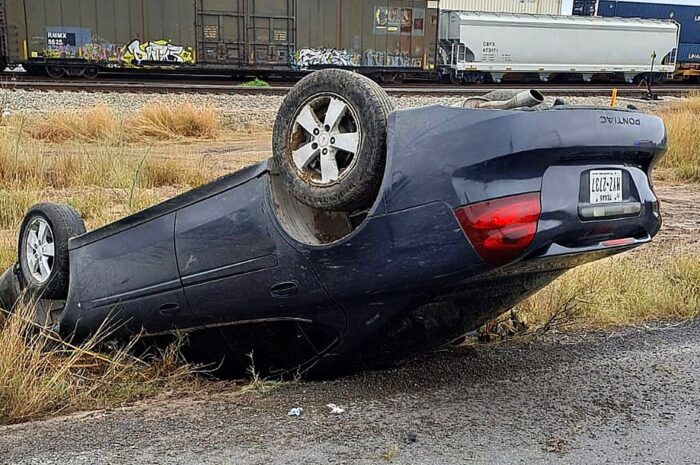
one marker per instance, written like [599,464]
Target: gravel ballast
[237,111]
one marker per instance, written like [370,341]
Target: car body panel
[233,260]
[488,154]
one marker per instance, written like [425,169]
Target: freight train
[685,13]
[386,39]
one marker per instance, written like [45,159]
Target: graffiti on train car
[395,20]
[80,43]
[137,52]
[307,58]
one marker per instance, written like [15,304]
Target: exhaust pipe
[498,100]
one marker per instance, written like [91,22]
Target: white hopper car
[476,46]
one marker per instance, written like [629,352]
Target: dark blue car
[370,236]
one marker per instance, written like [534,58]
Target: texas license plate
[606,186]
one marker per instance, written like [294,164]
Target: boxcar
[82,37]
[684,12]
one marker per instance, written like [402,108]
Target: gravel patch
[238,111]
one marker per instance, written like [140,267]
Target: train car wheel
[91,72]
[456,80]
[55,72]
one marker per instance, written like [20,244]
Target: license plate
[606,186]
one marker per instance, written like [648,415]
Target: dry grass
[30,173]
[27,165]
[163,122]
[157,122]
[93,125]
[620,291]
[8,250]
[14,204]
[682,162]
[45,376]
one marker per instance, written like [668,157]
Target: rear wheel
[330,140]
[43,249]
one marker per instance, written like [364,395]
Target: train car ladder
[458,57]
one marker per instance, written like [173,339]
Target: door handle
[169,309]
[284,290]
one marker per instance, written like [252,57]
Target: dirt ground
[630,397]
[680,210]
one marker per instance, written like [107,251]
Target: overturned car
[370,236]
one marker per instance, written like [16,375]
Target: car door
[236,267]
[127,275]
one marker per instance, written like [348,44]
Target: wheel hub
[40,250]
[325,140]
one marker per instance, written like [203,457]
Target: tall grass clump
[167,172]
[101,125]
[621,291]
[8,251]
[682,162]
[28,169]
[97,124]
[41,375]
[167,122]
[14,204]
[21,162]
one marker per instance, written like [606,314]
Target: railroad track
[224,87]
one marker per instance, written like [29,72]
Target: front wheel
[43,249]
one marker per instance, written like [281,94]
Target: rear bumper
[565,230]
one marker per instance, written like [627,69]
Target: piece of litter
[410,438]
[295,412]
[335,409]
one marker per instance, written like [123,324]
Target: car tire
[43,249]
[329,140]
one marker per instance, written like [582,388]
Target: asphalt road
[631,397]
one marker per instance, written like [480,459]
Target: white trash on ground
[335,410]
[295,412]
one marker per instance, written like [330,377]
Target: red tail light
[500,230]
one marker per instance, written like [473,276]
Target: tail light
[500,230]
